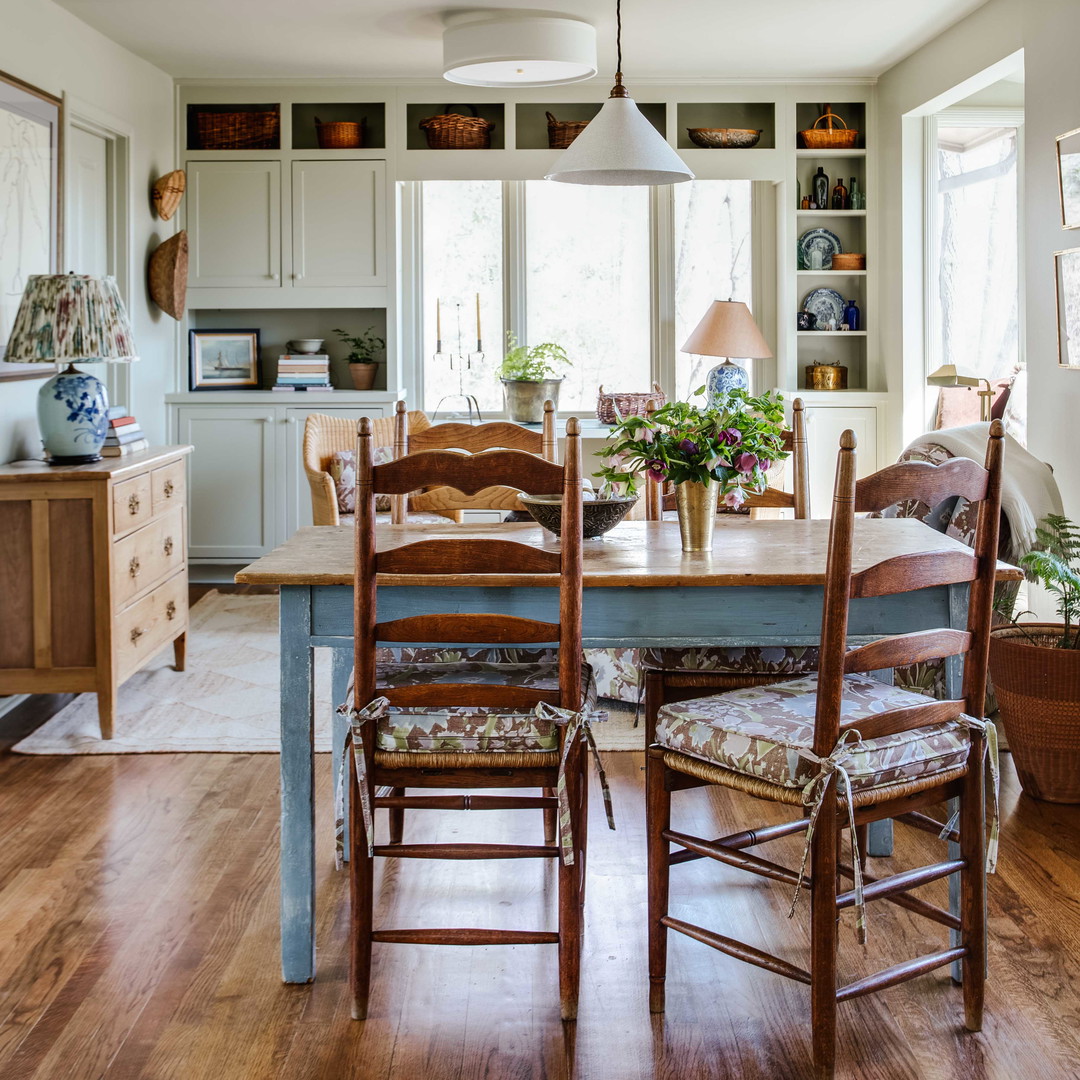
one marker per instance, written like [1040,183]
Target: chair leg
[657,819]
[973,885]
[361,892]
[551,818]
[823,935]
[397,818]
[654,698]
[570,903]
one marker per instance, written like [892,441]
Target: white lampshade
[728,329]
[517,50]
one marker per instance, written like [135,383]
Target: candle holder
[461,362]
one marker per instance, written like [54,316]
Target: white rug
[227,700]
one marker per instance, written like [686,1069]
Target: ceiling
[402,39]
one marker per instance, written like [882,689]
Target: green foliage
[734,443]
[535,364]
[1056,567]
[364,347]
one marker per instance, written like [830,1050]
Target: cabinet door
[339,223]
[234,224]
[231,481]
[296,489]
[824,426]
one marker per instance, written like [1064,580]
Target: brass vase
[696,503]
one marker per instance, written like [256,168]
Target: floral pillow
[343,472]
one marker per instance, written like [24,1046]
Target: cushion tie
[990,749]
[578,725]
[354,739]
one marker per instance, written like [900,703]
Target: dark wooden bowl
[598,515]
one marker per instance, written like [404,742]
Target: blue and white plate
[828,243]
[827,305]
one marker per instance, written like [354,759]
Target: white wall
[48,47]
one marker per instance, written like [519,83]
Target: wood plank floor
[138,938]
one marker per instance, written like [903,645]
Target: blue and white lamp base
[73,417]
[724,378]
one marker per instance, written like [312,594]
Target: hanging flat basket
[168,273]
[167,191]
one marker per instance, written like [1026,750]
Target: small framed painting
[1068,151]
[1067,270]
[224,359]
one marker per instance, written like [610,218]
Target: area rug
[226,702]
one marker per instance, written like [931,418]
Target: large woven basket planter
[1038,694]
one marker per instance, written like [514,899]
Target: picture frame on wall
[224,359]
[1067,275]
[31,133]
[1068,158]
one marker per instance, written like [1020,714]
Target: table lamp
[64,318]
[727,329]
[951,375]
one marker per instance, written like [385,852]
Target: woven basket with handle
[452,131]
[611,408]
[829,137]
[339,134]
[561,133]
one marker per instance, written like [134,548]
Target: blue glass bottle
[852,315]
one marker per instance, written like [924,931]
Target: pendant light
[619,148]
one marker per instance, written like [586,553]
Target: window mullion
[515,301]
[662,289]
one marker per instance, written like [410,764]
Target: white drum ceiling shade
[508,50]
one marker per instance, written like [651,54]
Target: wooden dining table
[761,584]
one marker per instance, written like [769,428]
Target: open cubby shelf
[532,122]
[758,115]
[371,115]
[416,137]
[853,113]
[249,131]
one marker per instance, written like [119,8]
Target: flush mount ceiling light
[482,49]
[619,148]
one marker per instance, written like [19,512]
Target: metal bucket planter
[525,400]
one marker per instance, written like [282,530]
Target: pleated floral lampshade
[64,318]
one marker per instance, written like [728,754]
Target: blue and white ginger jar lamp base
[73,416]
[723,379]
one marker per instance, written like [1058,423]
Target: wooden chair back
[436,556]
[500,434]
[905,573]
[657,501]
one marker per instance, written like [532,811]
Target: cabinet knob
[136,634]
[133,504]
[168,545]
[299,277]
[133,566]
[169,489]
[290,420]
[275,277]
[170,610]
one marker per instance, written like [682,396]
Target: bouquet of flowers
[734,443]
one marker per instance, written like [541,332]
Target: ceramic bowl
[307,345]
[724,138]
[598,515]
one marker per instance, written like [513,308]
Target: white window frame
[663,346]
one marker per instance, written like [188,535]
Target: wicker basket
[339,134]
[1038,693]
[829,137]
[612,408]
[561,133]
[724,138]
[452,131]
[252,129]
[849,260]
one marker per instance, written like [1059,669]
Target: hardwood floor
[138,907]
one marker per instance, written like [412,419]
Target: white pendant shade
[510,50]
[620,148]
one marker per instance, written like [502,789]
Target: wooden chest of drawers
[93,572]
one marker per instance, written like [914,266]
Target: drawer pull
[170,610]
[133,566]
[169,489]
[133,504]
[136,634]
[168,545]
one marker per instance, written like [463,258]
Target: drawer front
[144,558]
[133,504]
[143,627]
[167,486]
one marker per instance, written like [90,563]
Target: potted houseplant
[1035,671]
[363,365]
[710,454]
[531,376]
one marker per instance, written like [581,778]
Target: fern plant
[1056,567]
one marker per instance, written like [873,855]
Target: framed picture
[1067,271]
[31,124]
[1068,152]
[224,359]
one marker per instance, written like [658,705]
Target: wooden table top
[635,553]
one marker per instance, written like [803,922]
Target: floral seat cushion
[752,660]
[464,728]
[768,731]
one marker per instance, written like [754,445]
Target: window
[579,266]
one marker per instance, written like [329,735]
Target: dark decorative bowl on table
[598,515]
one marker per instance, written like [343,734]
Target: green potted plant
[531,376]
[1035,671]
[363,364]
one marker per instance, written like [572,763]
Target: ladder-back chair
[851,751]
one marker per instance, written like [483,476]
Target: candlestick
[478,346]
[438,319]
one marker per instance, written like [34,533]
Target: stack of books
[125,436]
[304,371]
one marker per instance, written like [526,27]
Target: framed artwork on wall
[1067,273]
[31,126]
[1068,155]
[224,359]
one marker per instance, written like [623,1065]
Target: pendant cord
[618,37]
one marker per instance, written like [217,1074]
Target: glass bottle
[858,199]
[821,188]
[798,192]
[852,315]
[839,196]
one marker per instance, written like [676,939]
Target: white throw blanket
[1028,489]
